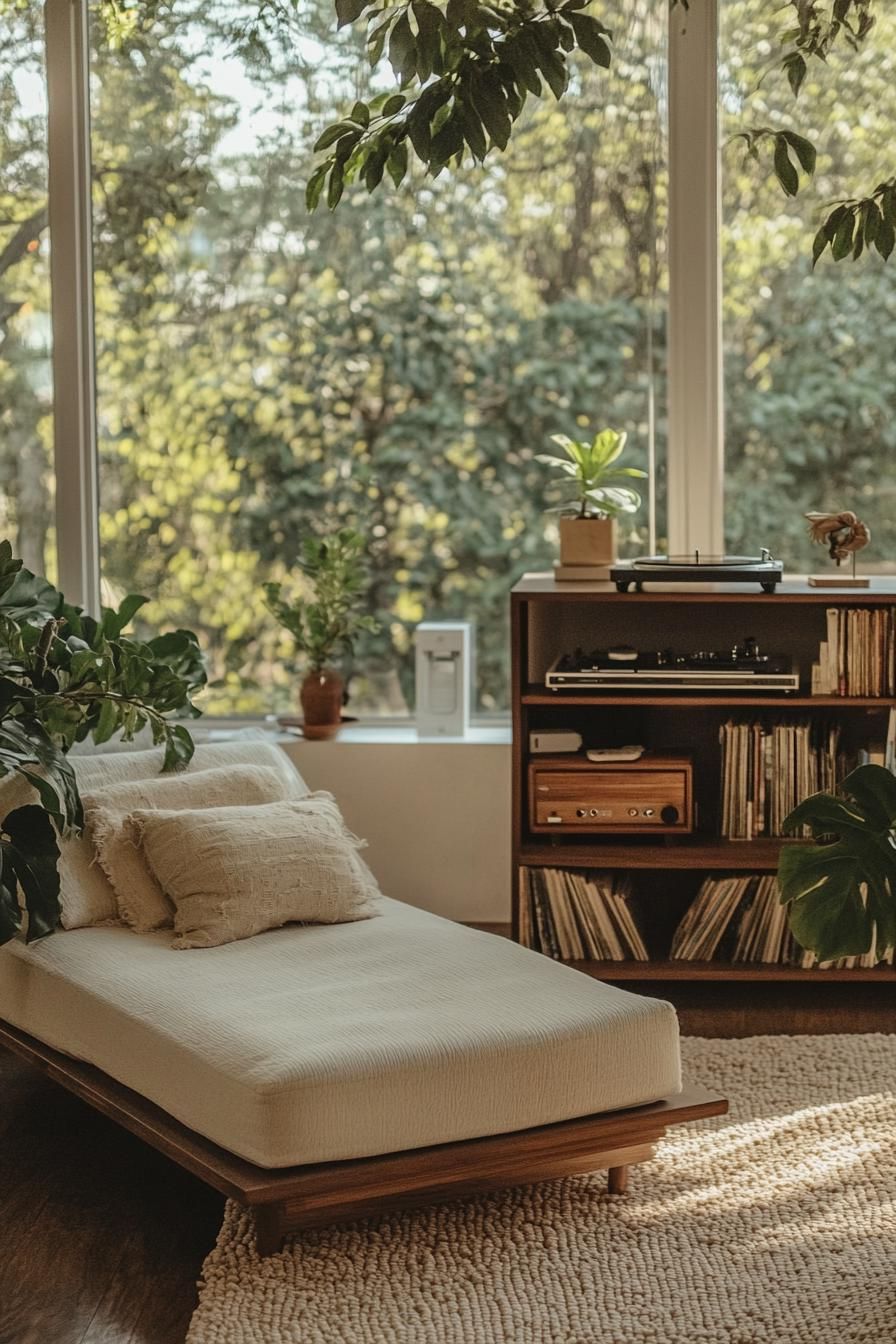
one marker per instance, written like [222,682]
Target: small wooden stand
[839,580]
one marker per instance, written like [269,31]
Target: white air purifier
[444,673]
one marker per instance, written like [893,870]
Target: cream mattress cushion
[311,1044]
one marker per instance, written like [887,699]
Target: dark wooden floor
[101,1238]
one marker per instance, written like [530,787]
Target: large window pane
[26,398]
[810,378]
[395,366]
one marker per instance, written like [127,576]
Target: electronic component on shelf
[763,569]
[607,755]
[743,667]
[554,740]
[652,795]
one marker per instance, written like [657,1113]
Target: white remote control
[606,754]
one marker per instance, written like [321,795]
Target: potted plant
[66,676]
[840,892]
[598,491]
[325,623]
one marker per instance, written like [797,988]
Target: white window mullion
[71,278]
[696,450]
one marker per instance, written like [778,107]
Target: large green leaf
[10,910]
[874,789]
[841,896]
[26,748]
[30,855]
[823,887]
[29,597]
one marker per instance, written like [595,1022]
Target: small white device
[549,740]
[444,675]
[603,755]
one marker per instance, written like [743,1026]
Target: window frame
[695,449]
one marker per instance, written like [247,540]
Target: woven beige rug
[776,1223]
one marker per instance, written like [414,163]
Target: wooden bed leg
[268,1230]
[617,1180]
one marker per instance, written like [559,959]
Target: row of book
[767,768]
[737,919]
[588,916]
[858,655]
[578,916]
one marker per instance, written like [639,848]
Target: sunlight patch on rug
[775,1224]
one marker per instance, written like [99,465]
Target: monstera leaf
[28,859]
[841,893]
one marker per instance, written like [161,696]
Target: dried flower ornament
[842,533]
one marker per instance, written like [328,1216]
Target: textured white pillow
[86,895]
[141,902]
[235,871]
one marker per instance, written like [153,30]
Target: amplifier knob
[669,815]
[581,812]
[633,811]
[649,811]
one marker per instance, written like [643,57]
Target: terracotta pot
[321,697]
[587,541]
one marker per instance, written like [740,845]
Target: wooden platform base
[289,1199]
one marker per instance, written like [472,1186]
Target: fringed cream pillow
[141,902]
[232,872]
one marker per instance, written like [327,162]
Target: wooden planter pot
[588,541]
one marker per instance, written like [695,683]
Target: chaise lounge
[317,1073]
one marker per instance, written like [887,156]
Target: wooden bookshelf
[549,618]
[688,852]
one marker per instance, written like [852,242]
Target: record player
[763,569]
[742,668]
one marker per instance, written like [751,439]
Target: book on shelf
[858,655]
[741,919]
[578,916]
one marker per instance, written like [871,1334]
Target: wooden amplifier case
[653,795]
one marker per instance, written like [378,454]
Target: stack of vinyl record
[578,916]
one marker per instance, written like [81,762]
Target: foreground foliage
[841,893]
[64,677]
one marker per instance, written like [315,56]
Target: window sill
[354,734]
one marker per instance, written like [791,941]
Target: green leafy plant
[841,891]
[464,71]
[325,624]
[66,676]
[600,488]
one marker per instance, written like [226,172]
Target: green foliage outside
[397,366]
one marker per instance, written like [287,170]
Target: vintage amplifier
[651,795]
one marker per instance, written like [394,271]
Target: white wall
[436,814]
